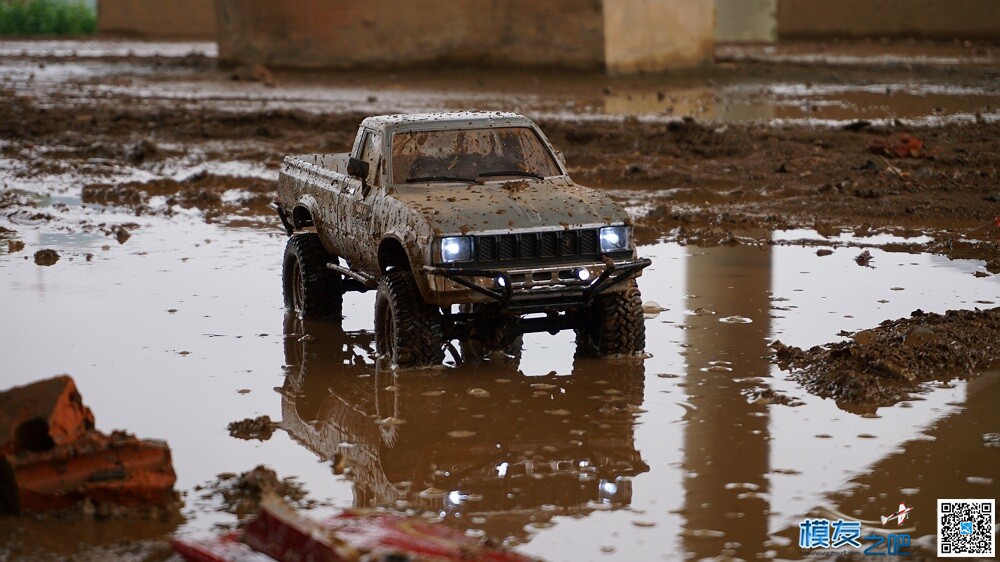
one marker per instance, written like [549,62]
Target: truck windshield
[467,155]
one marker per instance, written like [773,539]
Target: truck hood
[509,205]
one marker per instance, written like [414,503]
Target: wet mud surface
[242,494]
[137,253]
[877,367]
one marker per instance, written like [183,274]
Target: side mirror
[357,168]
[561,158]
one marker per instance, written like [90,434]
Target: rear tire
[310,289]
[614,325]
[407,330]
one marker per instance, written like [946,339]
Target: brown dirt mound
[880,366]
[260,428]
[242,494]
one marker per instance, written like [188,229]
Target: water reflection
[951,459]
[487,447]
[726,450]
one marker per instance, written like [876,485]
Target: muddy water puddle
[704,448]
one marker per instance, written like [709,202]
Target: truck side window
[371,152]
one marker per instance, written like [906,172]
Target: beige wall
[942,19]
[384,33]
[654,35]
[157,18]
[746,21]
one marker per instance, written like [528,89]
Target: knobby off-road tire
[311,290]
[407,330]
[614,325]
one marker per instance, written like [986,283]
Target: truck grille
[537,245]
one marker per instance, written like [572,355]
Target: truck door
[360,200]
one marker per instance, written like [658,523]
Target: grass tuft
[46,17]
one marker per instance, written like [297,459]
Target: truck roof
[446,120]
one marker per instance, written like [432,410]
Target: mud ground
[881,366]
[721,178]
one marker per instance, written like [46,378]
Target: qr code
[965,528]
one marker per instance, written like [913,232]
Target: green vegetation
[46,17]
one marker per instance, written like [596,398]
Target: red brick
[117,469]
[41,415]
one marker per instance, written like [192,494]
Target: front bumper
[537,289]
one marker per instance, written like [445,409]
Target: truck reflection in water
[486,446]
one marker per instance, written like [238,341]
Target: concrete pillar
[655,35]
[746,21]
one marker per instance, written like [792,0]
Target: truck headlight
[453,249]
[614,239]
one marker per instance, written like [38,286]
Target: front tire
[614,325]
[310,289]
[407,330]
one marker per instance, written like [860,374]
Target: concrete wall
[938,19]
[621,36]
[194,19]
[746,21]
[654,35]
[386,33]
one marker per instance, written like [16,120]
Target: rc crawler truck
[470,229]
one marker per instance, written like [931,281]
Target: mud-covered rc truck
[469,228]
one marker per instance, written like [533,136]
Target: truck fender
[304,212]
[393,252]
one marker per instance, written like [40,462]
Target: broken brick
[42,415]
[51,457]
[117,469]
[280,533]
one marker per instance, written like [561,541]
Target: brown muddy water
[180,331]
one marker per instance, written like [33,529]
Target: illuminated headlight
[614,239]
[454,249]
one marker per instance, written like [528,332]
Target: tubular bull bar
[578,293]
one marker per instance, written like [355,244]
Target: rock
[864,337]
[260,428]
[919,336]
[139,152]
[46,257]
[122,234]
